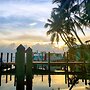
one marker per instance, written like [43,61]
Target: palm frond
[79,26]
[74,8]
[56,1]
[52,37]
[47,25]
[81,20]
[51,31]
[49,20]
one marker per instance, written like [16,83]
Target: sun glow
[59,44]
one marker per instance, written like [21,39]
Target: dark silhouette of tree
[66,19]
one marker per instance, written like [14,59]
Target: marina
[43,68]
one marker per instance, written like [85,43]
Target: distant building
[39,56]
[44,56]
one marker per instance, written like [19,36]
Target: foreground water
[41,83]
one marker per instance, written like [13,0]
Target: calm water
[57,83]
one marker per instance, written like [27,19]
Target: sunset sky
[22,22]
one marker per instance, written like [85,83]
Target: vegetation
[67,18]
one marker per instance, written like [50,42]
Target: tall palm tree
[67,19]
[86,11]
[70,12]
[76,13]
[57,30]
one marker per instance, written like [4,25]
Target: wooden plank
[1,67]
[49,77]
[7,67]
[51,63]
[11,66]
[20,67]
[29,69]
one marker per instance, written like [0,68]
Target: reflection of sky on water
[9,85]
[57,81]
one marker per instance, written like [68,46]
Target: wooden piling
[29,69]
[1,67]
[20,67]
[48,61]
[6,78]
[1,58]
[68,75]
[11,56]
[45,57]
[0,77]
[11,66]
[15,80]
[42,60]
[42,78]
[7,67]
[7,57]
[49,77]
[85,81]
[67,69]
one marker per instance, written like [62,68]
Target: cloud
[25,1]
[23,14]
[8,48]
[33,24]
[40,47]
[24,9]
[46,48]
[23,36]
[27,38]
[5,32]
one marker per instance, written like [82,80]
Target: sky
[22,22]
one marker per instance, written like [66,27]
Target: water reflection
[50,82]
[40,82]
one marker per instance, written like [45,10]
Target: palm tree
[67,18]
[74,14]
[71,16]
[86,11]
[57,30]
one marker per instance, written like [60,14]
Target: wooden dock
[51,63]
[24,66]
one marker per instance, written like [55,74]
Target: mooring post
[49,77]
[49,61]
[1,67]
[42,78]
[7,67]
[29,69]
[85,81]
[45,57]
[42,65]
[15,80]
[42,60]
[67,70]
[20,67]
[11,66]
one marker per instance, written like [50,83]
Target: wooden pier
[51,63]
[26,68]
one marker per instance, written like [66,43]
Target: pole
[20,67]
[29,69]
